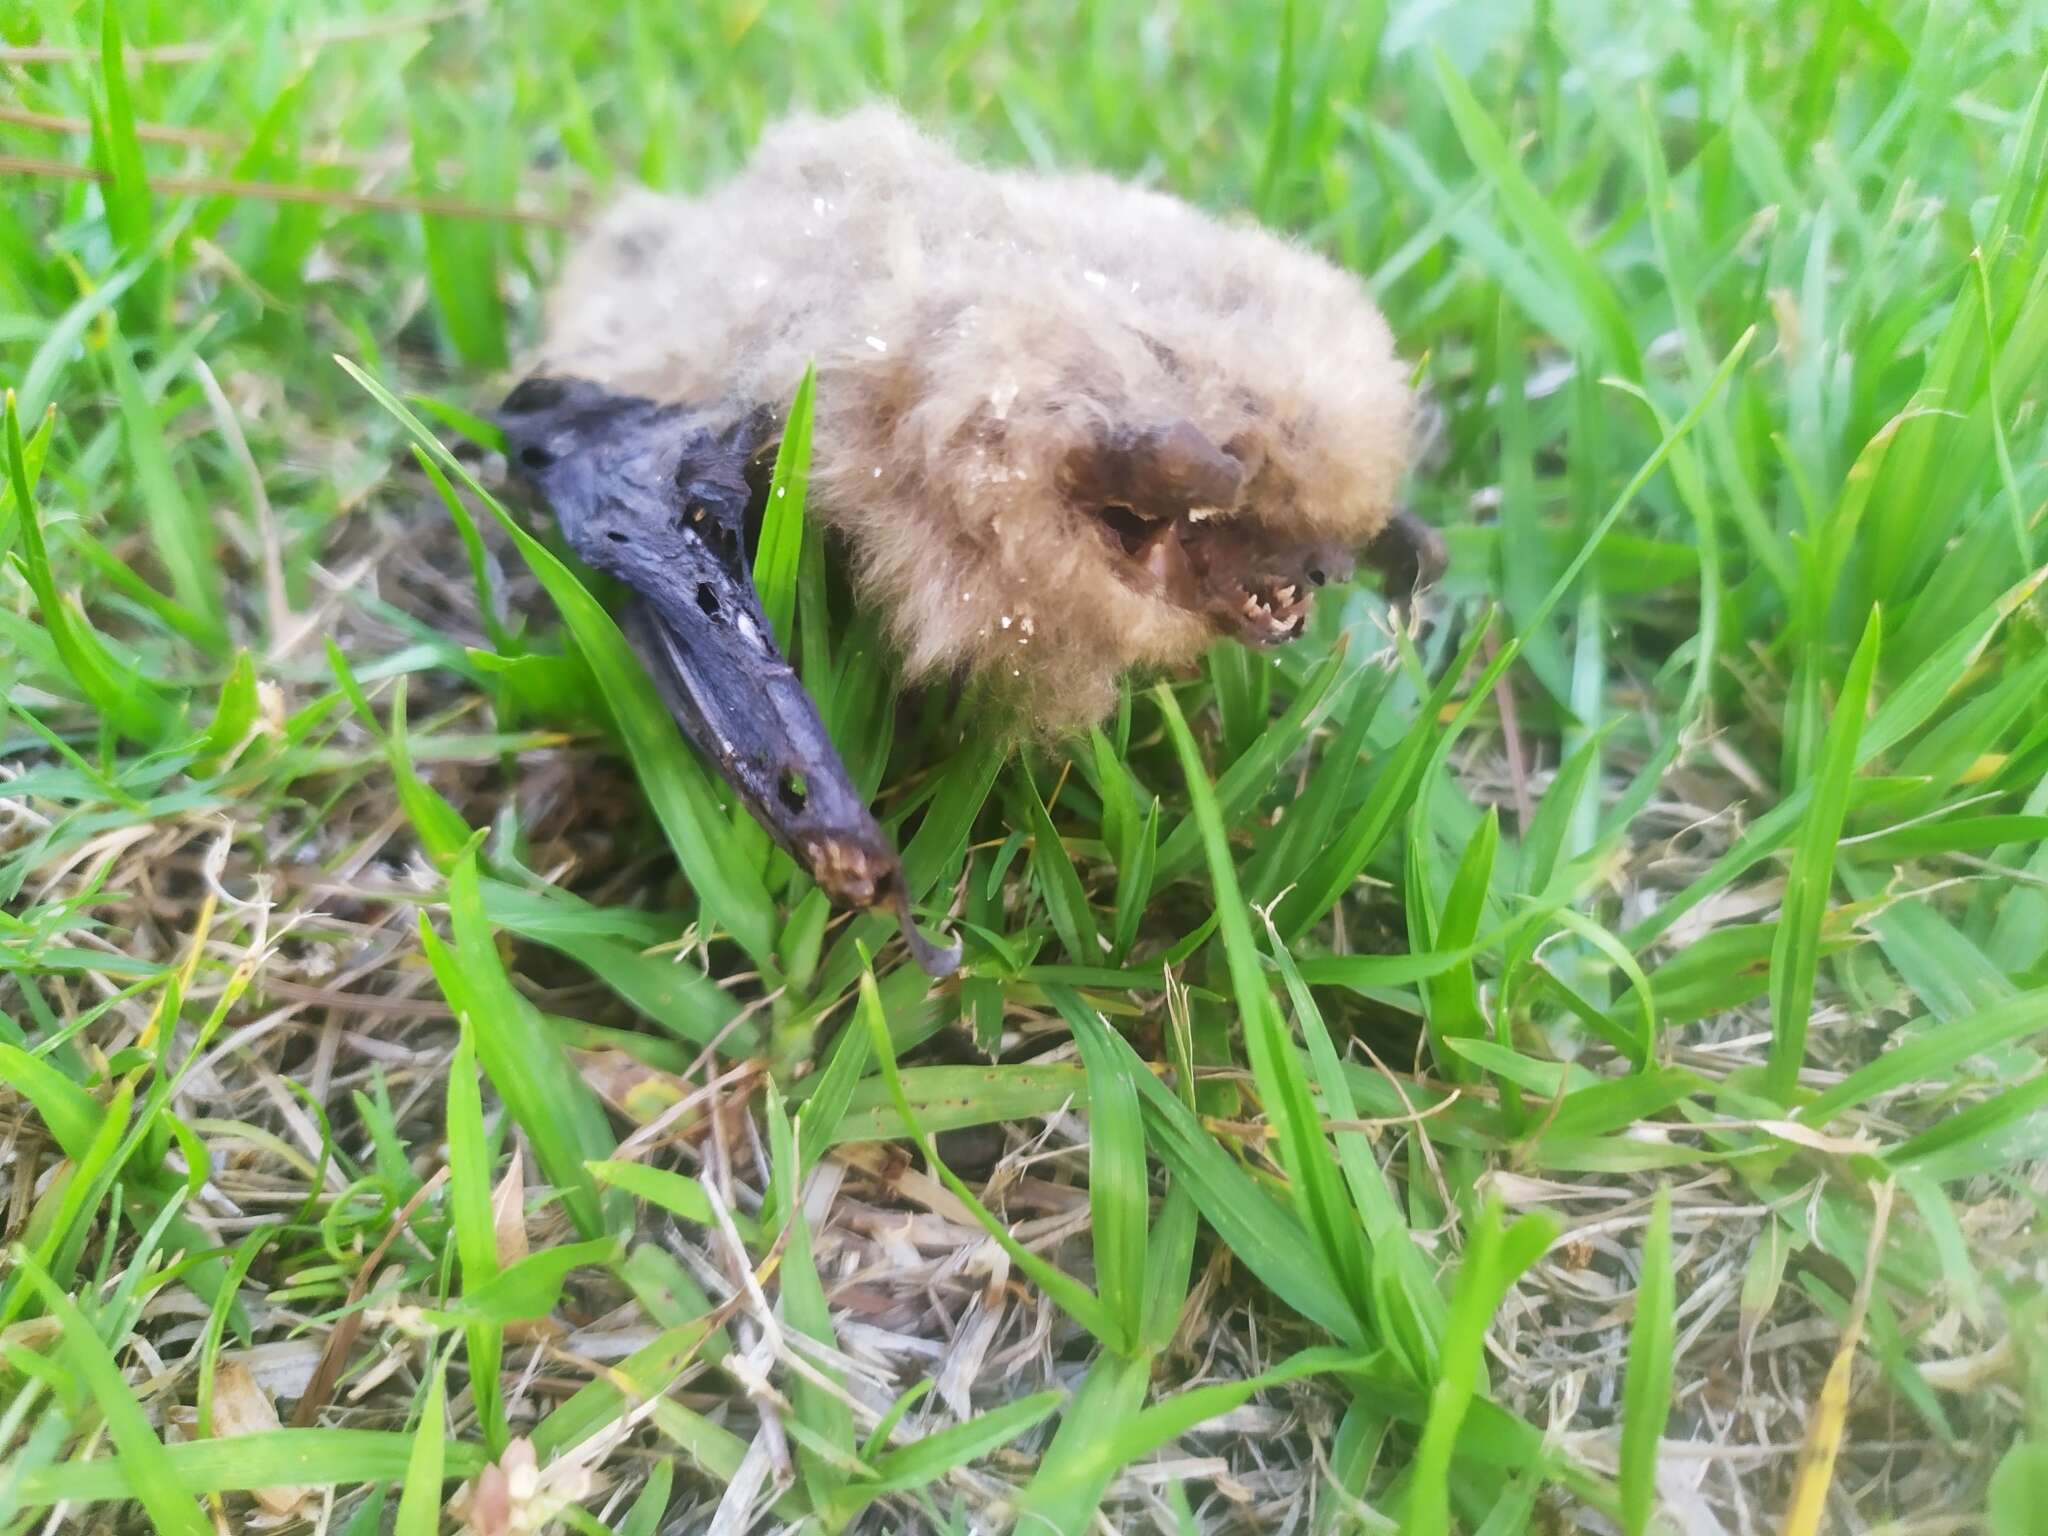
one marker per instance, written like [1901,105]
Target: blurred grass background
[1573,1067]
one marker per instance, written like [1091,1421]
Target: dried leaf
[508,1212]
[636,1090]
[242,1407]
[1819,1141]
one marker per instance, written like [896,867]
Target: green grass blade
[644,1518]
[442,832]
[952,1098]
[1493,1260]
[1408,1308]
[1932,1056]
[476,1237]
[152,1479]
[1280,123]
[1072,1297]
[1602,322]
[1135,881]
[782,520]
[1332,872]
[831,1092]
[70,1114]
[1908,707]
[1065,1493]
[1452,996]
[1974,1132]
[1646,1394]
[34,452]
[1241,786]
[133,705]
[274,1458]
[225,1306]
[487,603]
[818,1409]
[183,535]
[1265,1235]
[461,258]
[1169,1249]
[1304,1152]
[419,1504]
[1058,884]
[1795,957]
[926,1460]
[1117,1199]
[532,1287]
[1137,1435]
[642,1374]
[551,1103]
[130,218]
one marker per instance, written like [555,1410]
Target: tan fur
[970,329]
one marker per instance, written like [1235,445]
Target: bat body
[1064,427]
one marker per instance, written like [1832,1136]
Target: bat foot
[937,963]
[855,873]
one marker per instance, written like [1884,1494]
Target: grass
[1573,1065]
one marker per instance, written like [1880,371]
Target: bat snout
[1328,564]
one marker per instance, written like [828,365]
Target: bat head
[1067,427]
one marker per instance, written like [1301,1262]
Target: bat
[1064,427]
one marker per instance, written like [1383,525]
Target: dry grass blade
[1823,1443]
[341,1338]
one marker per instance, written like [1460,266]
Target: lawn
[1573,1063]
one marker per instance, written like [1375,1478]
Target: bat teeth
[1286,594]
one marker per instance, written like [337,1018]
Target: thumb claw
[931,959]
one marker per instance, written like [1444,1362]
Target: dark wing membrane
[652,495]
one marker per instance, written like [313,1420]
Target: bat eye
[617,537]
[533,456]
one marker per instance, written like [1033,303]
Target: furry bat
[1063,427]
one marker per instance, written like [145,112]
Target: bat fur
[1064,426]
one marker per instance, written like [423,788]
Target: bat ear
[1157,471]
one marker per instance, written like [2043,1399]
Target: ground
[1574,1064]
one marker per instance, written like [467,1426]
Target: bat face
[1169,508]
[1063,428]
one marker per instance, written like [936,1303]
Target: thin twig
[1511,738]
[328,1371]
[291,192]
[187,138]
[197,53]
[277,604]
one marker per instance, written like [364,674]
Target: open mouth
[1244,583]
[1271,614]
